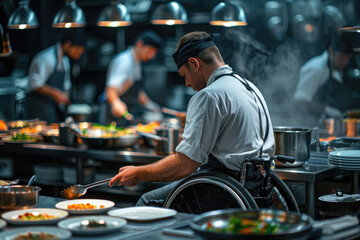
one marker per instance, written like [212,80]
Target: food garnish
[35,216]
[80,206]
[238,225]
[35,236]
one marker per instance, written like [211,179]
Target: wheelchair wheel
[206,191]
[282,198]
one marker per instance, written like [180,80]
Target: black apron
[130,98]
[43,107]
[334,94]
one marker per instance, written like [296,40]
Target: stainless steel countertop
[140,156]
[308,173]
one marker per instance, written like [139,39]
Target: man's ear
[194,63]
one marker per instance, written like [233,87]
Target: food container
[293,142]
[19,196]
[299,226]
[339,204]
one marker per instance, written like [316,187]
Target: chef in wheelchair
[224,159]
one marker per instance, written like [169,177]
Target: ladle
[76,191]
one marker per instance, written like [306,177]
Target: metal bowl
[299,225]
[114,142]
[19,196]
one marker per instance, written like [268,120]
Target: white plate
[73,224]
[11,216]
[143,213]
[2,224]
[60,233]
[346,154]
[97,202]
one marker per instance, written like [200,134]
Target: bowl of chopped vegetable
[263,224]
[20,138]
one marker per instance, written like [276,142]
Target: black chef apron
[334,94]
[44,107]
[130,98]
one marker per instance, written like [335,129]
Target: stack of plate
[345,159]
[48,172]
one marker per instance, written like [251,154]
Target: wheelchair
[212,190]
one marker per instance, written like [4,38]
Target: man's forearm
[171,168]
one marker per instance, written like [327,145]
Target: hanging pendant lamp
[350,29]
[23,17]
[70,16]
[228,14]
[170,13]
[115,15]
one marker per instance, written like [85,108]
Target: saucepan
[165,139]
[229,224]
[19,196]
[294,142]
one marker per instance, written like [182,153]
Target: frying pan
[105,142]
[300,225]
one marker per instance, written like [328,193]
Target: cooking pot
[293,142]
[165,139]
[339,204]
[299,225]
[19,196]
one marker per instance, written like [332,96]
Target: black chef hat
[150,38]
[76,37]
[192,49]
[342,43]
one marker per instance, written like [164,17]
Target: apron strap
[252,91]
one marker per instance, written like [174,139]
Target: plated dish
[143,213]
[96,206]
[34,216]
[22,233]
[91,225]
[20,139]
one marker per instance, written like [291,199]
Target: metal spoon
[77,191]
[32,179]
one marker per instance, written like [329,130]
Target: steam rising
[274,73]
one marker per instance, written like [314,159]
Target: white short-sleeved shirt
[124,67]
[314,74]
[43,66]
[223,119]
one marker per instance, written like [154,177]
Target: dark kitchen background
[281,36]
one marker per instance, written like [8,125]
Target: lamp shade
[169,14]
[115,15]
[350,29]
[228,14]
[70,16]
[23,17]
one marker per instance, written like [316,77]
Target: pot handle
[152,136]
[284,159]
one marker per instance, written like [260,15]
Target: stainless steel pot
[293,142]
[339,204]
[299,225]
[19,196]
[165,139]
[114,142]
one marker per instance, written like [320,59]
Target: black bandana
[191,49]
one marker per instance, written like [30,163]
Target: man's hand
[61,98]
[126,176]
[153,107]
[118,108]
